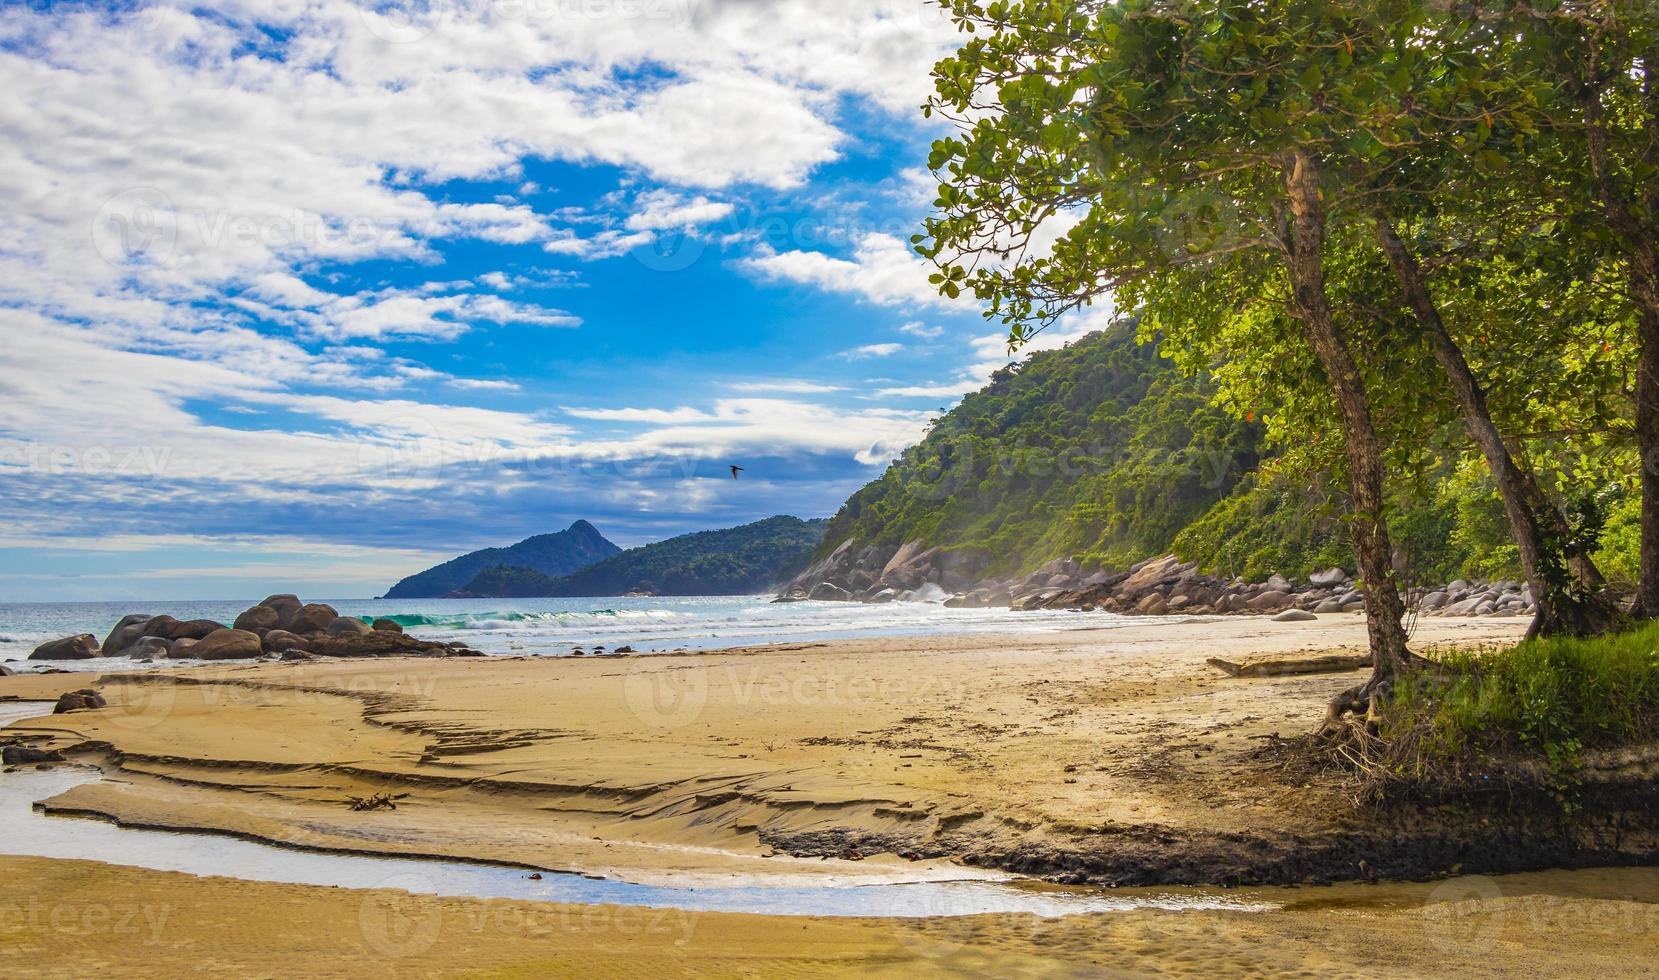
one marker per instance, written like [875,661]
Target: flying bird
[735,471]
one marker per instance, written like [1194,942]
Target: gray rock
[1295,616]
[1271,599]
[347,624]
[258,618]
[883,596]
[282,641]
[311,618]
[1329,577]
[1277,583]
[1329,606]
[125,633]
[82,700]
[286,606]
[81,647]
[829,592]
[387,625]
[1434,600]
[149,648]
[179,649]
[1465,607]
[228,644]
[170,629]
[28,755]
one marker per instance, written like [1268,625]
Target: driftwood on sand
[1332,664]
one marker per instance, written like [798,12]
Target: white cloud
[883,270]
[917,328]
[871,350]
[784,387]
[662,209]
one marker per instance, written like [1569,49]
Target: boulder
[909,566]
[1465,608]
[125,633]
[388,625]
[149,648]
[1432,601]
[829,592]
[1295,616]
[1329,577]
[382,643]
[169,628]
[282,641]
[882,596]
[286,606]
[81,647]
[84,699]
[1152,572]
[26,755]
[1329,606]
[227,644]
[347,624]
[1271,599]
[257,618]
[179,649]
[7,671]
[312,617]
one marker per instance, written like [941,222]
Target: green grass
[1540,704]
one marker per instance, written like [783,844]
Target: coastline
[1108,756]
[751,766]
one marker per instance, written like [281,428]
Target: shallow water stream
[27,831]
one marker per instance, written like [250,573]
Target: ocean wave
[511,619]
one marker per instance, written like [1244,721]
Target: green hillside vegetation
[1107,452]
[733,561]
[1099,450]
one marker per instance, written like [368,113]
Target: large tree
[1173,139]
[1601,58]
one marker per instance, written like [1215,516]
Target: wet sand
[78,918]
[759,761]
[747,765]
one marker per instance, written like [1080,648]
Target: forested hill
[732,561]
[1099,450]
[553,555]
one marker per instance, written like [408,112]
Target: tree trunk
[1550,558]
[1373,552]
[1637,241]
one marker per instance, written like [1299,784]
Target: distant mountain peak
[726,561]
[555,554]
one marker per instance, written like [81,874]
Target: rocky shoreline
[1155,587]
[279,626]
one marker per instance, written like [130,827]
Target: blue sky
[304,296]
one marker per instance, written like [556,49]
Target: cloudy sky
[303,295]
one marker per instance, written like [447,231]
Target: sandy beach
[1002,751]
[871,761]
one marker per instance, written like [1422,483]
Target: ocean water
[554,627]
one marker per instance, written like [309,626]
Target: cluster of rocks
[882,573]
[281,625]
[1155,587]
[1461,598]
